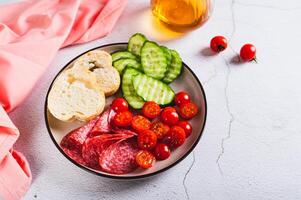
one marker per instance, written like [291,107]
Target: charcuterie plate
[186,81]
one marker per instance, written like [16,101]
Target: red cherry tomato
[147,140]
[169,108]
[151,109]
[177,136]
[186,126]
[123,119]
[159,129]
[169,116]
[188,110]
[162,151]
[140,123]
[144,159]
[218,43]
[248,52]
[181,98]
[120,105]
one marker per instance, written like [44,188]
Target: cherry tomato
[147,140]
[120,105]
[169,116]
[151,109]
[218,43]
[159,129]
[182,98]
[123,119]
[186,126]
[188,110]
[248,52]
[177,135]
[169,108]
[144,159]
[140,123]
[162,151]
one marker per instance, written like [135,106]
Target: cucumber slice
[151,89]
[175,68]
[122,63]
[135,43]
[153,60]
[122,54]
[128,90]
[167,54]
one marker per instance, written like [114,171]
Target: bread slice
[100,64]
[107,79]
[75,95]
[94,58]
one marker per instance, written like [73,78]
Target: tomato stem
[220,48]
[255,60]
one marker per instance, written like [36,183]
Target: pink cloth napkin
[31,32]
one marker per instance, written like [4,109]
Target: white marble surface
[251,142]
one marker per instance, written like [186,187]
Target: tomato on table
[169,116]
[160,129]
[186,126]
[162,151]
[181,98]
[177,136]
[144,159]
[147,140]
[140,123]
[120,105]
[123,119]
[218,43]
[151,109]
[188,110]
[248,52]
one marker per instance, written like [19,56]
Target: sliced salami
[112,113]
[76,138]
[75,155]
[124,131]
[119,158]
[102,125]
[93,147]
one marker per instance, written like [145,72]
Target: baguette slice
[94,59]
[107,79]
[75,95]
[100,64]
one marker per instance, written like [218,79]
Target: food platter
[187,81]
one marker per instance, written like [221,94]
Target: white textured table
[251,142]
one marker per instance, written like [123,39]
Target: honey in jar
[181,13]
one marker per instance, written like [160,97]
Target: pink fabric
[31,32]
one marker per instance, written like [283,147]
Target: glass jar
[181,13]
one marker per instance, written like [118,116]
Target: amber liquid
[181,12]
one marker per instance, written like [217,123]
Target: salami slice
[75,155]
[94,146]
[76,138]
[124,131]
[119,158]
[102,125]
[112,113]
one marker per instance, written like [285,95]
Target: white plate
[187,81]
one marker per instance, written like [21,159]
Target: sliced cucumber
[135,43]
[151,89]
[122,63]
[167,54]
[153,60]
[122,54]
[175,68]
[128,90]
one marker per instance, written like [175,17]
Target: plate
[187,81]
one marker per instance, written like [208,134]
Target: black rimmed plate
[187,81]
